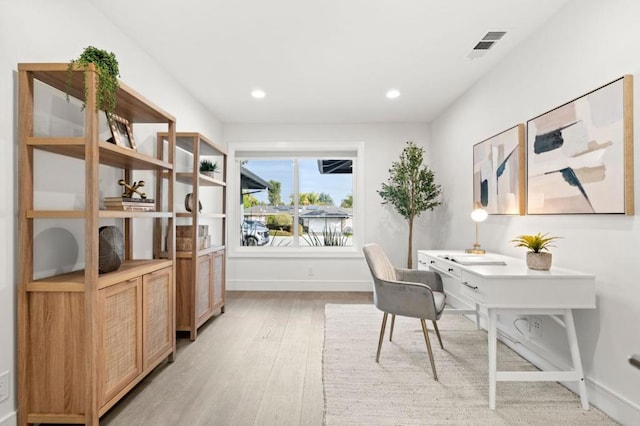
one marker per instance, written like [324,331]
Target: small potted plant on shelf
[538,256]
[107,72]
[208,167]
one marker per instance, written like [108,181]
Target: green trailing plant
[107,72]
[535,243]
[208,166]
[410,189]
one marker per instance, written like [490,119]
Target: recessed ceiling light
[258,94]
[392,94]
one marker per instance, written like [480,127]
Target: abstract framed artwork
[580,155]
[498,172]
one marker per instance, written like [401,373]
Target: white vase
[539,261]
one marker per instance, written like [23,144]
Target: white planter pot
[539,261]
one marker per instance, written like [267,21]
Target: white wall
[589,43]
[46,31]
[383,144]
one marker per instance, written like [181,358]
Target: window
[296,199]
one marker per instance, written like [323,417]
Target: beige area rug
[400,390]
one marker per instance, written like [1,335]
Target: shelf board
[203,180]
[104,214]
[129,104]
[119,214]
[185,141]
[56,214]
[203,215]
[75,281]
[189,254]
[110,154]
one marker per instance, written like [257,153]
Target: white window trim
[323,149]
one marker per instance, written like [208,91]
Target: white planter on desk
[540,261]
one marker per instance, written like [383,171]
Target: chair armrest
[405,298]
[430,278]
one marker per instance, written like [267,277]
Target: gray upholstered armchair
[406,292]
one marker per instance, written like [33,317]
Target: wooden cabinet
[85,339]
[200,270]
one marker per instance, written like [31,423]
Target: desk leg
[575,357]
[477,316]
[493,356]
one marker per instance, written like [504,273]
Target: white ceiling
[328,61]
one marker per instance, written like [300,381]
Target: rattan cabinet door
[218,280]
[157,315]
[120,337]
[204,296]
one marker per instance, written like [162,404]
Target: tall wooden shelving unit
[84,339]
[200,284]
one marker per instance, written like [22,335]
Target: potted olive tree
[410,189]
[538,256]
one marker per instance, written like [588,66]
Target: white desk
[513,287]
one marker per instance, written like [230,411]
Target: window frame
[278,150]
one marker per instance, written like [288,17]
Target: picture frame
[121,131]
[498,172]
[580,154]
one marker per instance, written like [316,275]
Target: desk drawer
[442,266]
[472,286]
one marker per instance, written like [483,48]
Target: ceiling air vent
[485,44]
[494,35]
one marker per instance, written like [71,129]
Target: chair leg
[393,322]
[426,339]
[435,326]
[384,324]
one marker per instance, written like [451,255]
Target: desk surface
[513,267]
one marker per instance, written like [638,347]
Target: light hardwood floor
[259,363]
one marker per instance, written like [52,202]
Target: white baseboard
[10,419]
[297,285]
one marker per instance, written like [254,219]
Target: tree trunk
[410,250]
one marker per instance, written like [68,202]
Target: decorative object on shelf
[130,204]
[498,172]
[107,83]
[538,257]
[188,203]
[184,237]
[121,131]
[478,214]
[110,249]
[580,155]
[129,190]
[411,189]
[208,167]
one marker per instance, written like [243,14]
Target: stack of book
[130,204]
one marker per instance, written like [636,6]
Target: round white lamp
[479,214]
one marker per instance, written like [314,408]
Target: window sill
[306,253]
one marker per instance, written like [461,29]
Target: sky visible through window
[338,186]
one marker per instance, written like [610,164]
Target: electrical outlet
[535,326]
[4,386]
